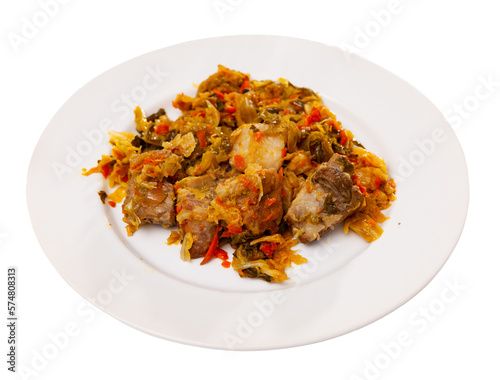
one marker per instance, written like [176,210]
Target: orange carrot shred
[213,247]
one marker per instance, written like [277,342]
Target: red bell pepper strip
[268,248]
[212,248]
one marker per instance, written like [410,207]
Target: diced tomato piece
[315,114]
[234,229]
[239,162]
[225,234]
[313,117]
[221,254]
[361,187]
[161,129]
[268,248]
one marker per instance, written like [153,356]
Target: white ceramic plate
[346,284]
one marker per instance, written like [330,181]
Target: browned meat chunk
[155,205]
[257,144]
[194,195]
[149,197]
[267,213]
[325,200]
[251,202]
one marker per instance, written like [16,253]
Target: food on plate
[150,198]
[326,199]
[258,165]
[194,195]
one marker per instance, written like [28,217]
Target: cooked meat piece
[203,233]
[194,195]
[149,197]
[257,144]
[267,213]
[152,205]
[325,200]
[251,201]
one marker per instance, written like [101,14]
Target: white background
[443,48]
